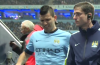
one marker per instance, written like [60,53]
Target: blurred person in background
[85,44]
[50,45]
[27,28]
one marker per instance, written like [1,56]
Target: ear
[89,15]
[55,17]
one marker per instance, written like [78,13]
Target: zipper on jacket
[84,49]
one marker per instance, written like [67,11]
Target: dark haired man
[85,44]
[51,44]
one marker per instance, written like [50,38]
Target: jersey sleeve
[67,43]
[30,46]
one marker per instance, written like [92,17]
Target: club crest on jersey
[95,44]
[56,41]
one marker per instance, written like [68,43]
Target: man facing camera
[50,45]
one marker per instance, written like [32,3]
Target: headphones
[89,16]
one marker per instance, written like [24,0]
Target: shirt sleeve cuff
[28,52]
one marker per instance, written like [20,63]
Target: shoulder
[38,33]
[76,33]
[99,29]
[64,33]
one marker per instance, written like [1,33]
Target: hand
[13,44]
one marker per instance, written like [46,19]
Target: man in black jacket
[84,44]
[26,27]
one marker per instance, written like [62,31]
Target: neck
[88,25]
[53,30]
[29,32]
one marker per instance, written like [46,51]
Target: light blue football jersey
[49,48]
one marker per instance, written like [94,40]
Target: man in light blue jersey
[50,45]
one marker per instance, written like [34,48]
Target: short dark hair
[45,9]
[86,8]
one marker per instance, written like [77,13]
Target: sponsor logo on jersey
[47,51]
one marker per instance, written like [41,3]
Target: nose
[74,17]
[45,23]
[22,32]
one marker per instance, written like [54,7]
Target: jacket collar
[90,31]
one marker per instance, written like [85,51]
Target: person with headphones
[85,44]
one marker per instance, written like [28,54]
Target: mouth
[45,26]
[76,21]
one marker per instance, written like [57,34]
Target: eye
[77,14]
[42,20]
[47,19]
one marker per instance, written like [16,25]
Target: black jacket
[19,50]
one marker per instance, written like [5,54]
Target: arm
[67,47]
[26,54]
[98,62]
[71,56]
[15,48]
[22,58]
[67,44]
